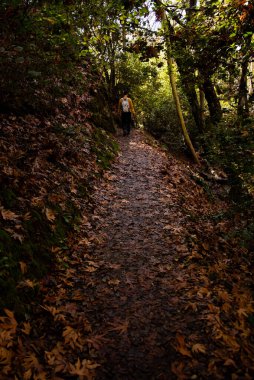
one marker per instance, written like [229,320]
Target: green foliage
[39,55]
[104,147]
[230,145]
[35,250]
[148,84]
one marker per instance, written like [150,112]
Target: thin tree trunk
[124,36]
[250,79]
[174,90]
[243,106]
[188,81]
[212,100]
[202,105]
[195,107]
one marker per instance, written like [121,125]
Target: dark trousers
[126,122]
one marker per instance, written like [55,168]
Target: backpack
[125,105]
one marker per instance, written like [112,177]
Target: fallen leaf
[83,368]
[18,237]
[178,369]
[27,283]
[72,337]
[90,269]
[8,215]
[230,362]
[27,328]
[97,341]
[31,362]
[121,327]
[50,214]
[114,282]
[181,347]
[198,348]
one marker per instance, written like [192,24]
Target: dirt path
[142,299]
[142,225]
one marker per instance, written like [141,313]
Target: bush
[39,56]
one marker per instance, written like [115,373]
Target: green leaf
[18,48]
[20,60]
[34,74]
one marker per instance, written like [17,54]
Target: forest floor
[160,288]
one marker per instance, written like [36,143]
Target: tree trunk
[250,79]
[189,11]
[174,89]
[212,101]
[195,107]
[188,81]
[112,77]
[243,106]
[124,36]
[202,105]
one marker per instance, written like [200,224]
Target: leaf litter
[154,290]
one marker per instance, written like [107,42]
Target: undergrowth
[46,183]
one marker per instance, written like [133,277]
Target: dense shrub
[39,56]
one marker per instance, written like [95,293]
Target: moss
[35,251]
[105,148]
[39,234]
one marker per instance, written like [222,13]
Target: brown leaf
[242,312]
[50,214]
[122,327]
[27,328]
[231,342]
[8,215]
[51,309]
[224,296]
[83,369]
[178,369]
[9,322]
[181,347]
[27,284]
[72,337]
[31,362]
[230,362]
[84,241]
[55,357]
[28,374]
[97,341]
[27,216]
[90,269]
[18,237]
[114,266]
[198,347]
[5,356]
[41,376]
[205,246]
[114,281]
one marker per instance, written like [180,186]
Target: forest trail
[143,296]
[152,292]
[150,299]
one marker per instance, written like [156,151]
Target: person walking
[127,112]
